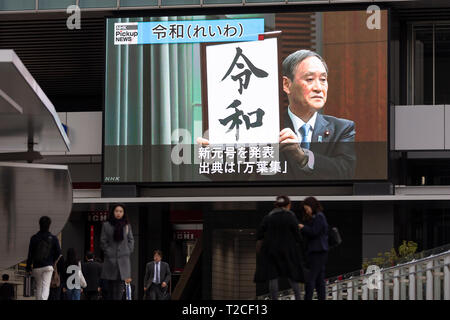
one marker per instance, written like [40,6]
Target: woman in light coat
[117,243]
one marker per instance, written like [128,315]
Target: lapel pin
[326,133]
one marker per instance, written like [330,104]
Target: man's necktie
[128,291]
[304,130]
[157,273]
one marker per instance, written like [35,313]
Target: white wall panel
[419,127]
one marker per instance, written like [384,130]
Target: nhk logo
[125,33]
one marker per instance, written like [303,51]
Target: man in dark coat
[313,145]
[6,289]
[92,271]
[43,251]
[280,242]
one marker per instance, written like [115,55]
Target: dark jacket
[316,232]
[280,253]
[55,251]
[6,291]
[164,273]
[60,265]
[92,271]
[333,146]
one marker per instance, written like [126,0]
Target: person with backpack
[315,230]
[43,251]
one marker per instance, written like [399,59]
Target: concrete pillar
[396,294]
[387,283]
[334,291]
[365,291]
[380,289]
[73,234]
[378,228]
[447,278]
[437,280]
[412,282]
[430,280]
[350,290]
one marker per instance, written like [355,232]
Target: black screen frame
[248,9]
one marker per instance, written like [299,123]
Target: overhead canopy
[26,114]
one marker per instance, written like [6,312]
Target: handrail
[194,260]
[416,257]
[404,281]
[403,278]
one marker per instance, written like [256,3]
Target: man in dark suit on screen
[157,278]
[314,145]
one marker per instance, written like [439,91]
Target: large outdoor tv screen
[273,97]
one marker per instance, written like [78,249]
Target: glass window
[430,64]
[263,1]
[55,4]
[315,1]
[138,3]
[179,2]
[98,3]
[442,57]
[221,1]
[6,5]
[423,65]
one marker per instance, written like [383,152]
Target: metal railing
[423,276]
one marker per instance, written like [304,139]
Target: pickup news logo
[125,33]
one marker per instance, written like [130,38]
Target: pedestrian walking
[315,230]
[117,243]
[278,248]
[92,271]
[43,251]
[73,278]
[157,278]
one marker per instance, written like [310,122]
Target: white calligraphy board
[261,93]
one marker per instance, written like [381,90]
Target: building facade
[403,73]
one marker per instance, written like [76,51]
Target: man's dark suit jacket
[92,271]
[334,156]
[164,273]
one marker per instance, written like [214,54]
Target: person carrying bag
[56,279]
